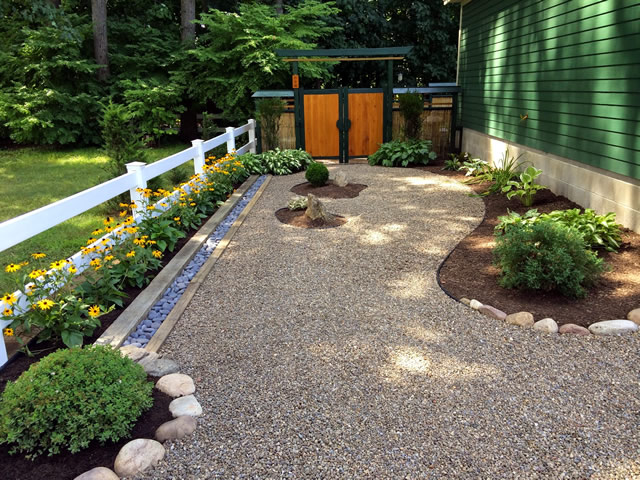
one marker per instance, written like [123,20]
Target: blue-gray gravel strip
[159,312]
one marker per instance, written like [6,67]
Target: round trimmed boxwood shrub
[72,397]
[546,256]
[317,174]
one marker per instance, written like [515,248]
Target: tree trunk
[187,15]
[279,8]
[100,45]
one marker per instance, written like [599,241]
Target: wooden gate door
[365,109]
[321,126]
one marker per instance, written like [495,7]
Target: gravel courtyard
[334,354]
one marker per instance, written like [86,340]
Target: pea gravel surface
[334,354]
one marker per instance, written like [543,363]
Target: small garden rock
[156,366]
[138,455]
[176,385]
[613,327]
[98,473]
[492,312]
[316,209]
[572,328]
[185,406]
[177,428]
[634,316]
[546,325]
[466,301]
[341,179]
[521,319]
[475,304]
[134,353]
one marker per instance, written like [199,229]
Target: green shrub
[317,174]
[71,398]
[269,113]
[402,154]
[122,141]
[524,186]
[500,174]
[547,256]
[411,107]
[598,231]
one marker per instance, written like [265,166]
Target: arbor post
[231,140]
[141,183]
[198,159]
[252,135]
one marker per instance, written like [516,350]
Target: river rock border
[549,325]
[141,453]
[141,336]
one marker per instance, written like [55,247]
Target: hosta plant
[598,231]
[297,203]
[525,186]
[402,154]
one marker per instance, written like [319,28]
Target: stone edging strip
[176,312]
[128,320]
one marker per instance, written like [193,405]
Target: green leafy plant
[279,162]
[297,203]
[402,154]
[453,163]
[317,174]
[122,141]
[269,113]
[525,186]
[411,107]
[500,174]
[253,163]
[547,256]
[474,167]
[71,398]
[598,231]
[52,307]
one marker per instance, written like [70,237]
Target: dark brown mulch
[297,218]
[330,190]
[469,272]
[68,466]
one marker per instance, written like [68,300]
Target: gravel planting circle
[334,354]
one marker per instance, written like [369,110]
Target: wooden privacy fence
[25,226]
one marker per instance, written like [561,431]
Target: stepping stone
[98,473]
[176,385]
[177,428]
[185,406]
[546,325]
[613,327]
[572,328]
[521,319]
[138,455]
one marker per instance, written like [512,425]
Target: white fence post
[137,197]
[198,160]
[3,351]
[231,140]
[252,135]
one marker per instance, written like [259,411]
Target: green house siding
[571,66]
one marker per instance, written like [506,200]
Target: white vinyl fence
[25,226]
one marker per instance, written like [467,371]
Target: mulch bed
[469,272]
[68,466]
[297,218]
[330,190]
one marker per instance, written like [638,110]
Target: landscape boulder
[573,329]
[613,327]
[176,428]
[546,325]
[521,319]
[316,209]
[138,455]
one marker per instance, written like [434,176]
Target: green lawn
[35,177]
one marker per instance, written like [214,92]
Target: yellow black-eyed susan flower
[7,312]
[97,231]
[108,258]
[12,267]
[45,304]
[123,213]
[157,253]
[58,264]
[132,253]
[95,262]
[8,332]
[108,220]
[72,269]
[94,311]
[9,298]
[38,255]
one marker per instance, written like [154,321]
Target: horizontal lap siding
[573,67]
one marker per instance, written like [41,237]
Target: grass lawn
[35,177]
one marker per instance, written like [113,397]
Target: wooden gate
[326,132]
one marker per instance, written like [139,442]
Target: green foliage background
[49,92]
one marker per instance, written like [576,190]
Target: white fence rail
[25,226]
